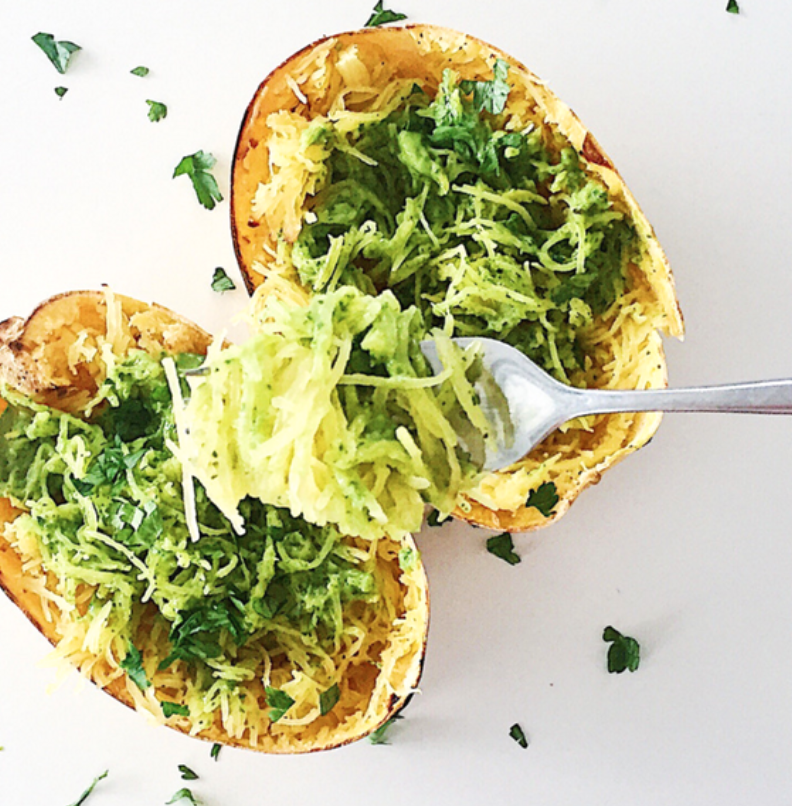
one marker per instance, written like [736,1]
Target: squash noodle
[331,411]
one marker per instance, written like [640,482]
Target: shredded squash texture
[331,411]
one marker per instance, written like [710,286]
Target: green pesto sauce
[104,500]
[500,230]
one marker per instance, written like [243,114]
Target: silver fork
[538,404]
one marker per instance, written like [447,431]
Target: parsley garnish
[502,546]
[90,789]
[379,735]
[184,794]
[197,167]
[544,498]
[215,751]
[157,111]
[140,71]
[380,16]
[59,53]
[221,281]
[139,524]
[732,7]
[187,774]
[278,701]
[109,467]
[132,664]
[328,699]
[517,733]
[623,653]
[434,518]
[489,95]
[197,633]
[61,91]
[170,709]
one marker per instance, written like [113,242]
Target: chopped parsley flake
[140,71]
[157,111]
[328,699]
[489,96]
[109,467]
[502,546]
[85,795]
[517,733]
[623,653]
[381,16]
[197,167]
[184,794]
[221,281]
[132,664]
[61,91]
[215,751]
[544,498]
[379,736]
[170,709]
[278,701]
[434,518]
[187,774]
[732,7]
[59,53]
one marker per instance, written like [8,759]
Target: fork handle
[756,397]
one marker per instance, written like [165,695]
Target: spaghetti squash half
[425,162]
[278,635]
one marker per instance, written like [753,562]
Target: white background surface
[687,545]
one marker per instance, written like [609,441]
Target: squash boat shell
[33,360]
[420,52]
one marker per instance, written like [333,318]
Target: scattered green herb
[61,91]
[197,167]
[502,546]
[132,664]
[187,774]
[489,96]
[517,733]
[140,71]
[85,795]
[328,699]
[109,467]
[184,794]
[623,653]
[278,701]
[59,53]
[379,735]
[732,7]
[170,709]
[221,281]
[434,518]
[544,498]
[381,16]
[157,111]
[215,751]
